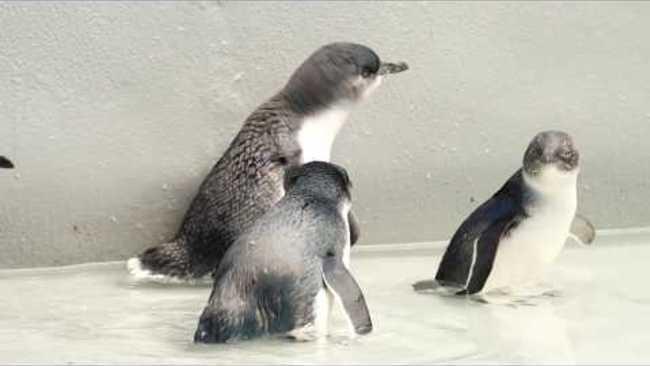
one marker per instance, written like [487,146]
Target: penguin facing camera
[509,241]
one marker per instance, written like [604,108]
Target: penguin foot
[307,333]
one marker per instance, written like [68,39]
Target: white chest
[531,247]
[317,134]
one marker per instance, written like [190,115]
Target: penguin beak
[5,163]
[391,68]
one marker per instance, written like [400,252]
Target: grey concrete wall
[113,112]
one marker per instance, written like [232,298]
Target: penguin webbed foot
[307,333]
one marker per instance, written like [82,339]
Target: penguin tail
[425,285]
[168,262]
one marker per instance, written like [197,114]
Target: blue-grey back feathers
[268,280]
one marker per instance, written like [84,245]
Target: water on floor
[95,313]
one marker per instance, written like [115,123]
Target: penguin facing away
[6,163]
[510,240]
[282,275]
[296,126]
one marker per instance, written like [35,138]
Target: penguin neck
[556,194]
[318,130]
[320,191]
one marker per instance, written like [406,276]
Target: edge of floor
[603,237]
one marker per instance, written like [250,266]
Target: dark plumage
[534,209]
[268,281]
[244,183]
[6,163]
[487,224]
[247,179]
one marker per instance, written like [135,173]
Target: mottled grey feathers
[268,280]
[247,180]
[244,183]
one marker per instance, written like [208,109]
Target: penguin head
[551,156]
[6,163]
[319,178]
[337,74]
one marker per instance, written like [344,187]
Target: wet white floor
[94,313]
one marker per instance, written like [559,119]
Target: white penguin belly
[526,253]
[317,133]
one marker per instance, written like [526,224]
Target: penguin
[509,241]
[295,126]
[283,275]
[6,163]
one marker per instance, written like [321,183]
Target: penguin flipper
[339,280]
[6,163]
[485,253]
[582,230]
[355,229]
[468,260]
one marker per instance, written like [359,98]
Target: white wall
[113,112]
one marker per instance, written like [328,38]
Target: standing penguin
[282,274]
[510,240]
[296,126]
[6,163]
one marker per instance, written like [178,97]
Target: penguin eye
[538,152]
[566,155]
[366,73]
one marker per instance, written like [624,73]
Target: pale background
[114,112]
